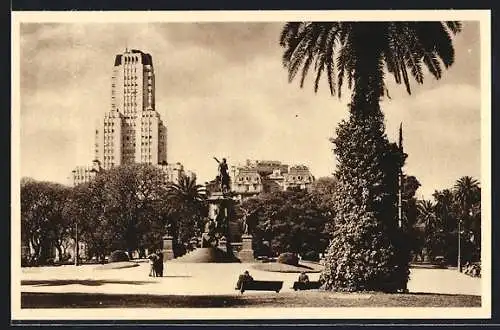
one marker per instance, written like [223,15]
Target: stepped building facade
[132,131]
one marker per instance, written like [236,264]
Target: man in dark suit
[245,277]
[159,264]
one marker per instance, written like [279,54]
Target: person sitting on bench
[245,277]
[303,278]
[304,283]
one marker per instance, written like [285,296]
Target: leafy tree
[131,192]
[42,223]
[367,250]
[324,189]
[290,221]
[409,204]
[86,210]
[59,226]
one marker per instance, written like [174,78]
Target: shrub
[368,251]
[118,255]
[311,256]
[288,258]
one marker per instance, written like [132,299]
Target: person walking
[152,264]
[159,264]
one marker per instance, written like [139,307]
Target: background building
[260,176]
[132,131]
[298,176]
[82,174]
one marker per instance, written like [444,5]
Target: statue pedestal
[246,253]
[168,252]
[223,244]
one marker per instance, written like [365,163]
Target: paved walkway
[206,279]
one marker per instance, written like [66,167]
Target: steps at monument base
[235,231]
[206,255]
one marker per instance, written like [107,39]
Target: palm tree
[187,191]
[360,51]
[466,193]
[426,215]
[444,209]
[187,208]
[368,165]
[427,218]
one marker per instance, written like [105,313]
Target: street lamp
[459,257]
[76,244]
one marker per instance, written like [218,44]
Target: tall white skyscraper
[132,131]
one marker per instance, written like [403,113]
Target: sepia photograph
[251,165]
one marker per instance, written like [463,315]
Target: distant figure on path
[243,278]
[152,263]
[159,264]
[303,278]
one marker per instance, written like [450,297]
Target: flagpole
[400,192]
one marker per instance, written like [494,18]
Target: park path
[206,279]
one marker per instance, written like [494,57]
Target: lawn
[288,299]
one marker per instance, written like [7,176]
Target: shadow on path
[177,276]
[85,300]
[81,282]
[289,299]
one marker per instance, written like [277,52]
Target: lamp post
[400,180]
[459,257]
[76,244]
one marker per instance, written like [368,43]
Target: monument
[246,252]
[168,251]
[216,239]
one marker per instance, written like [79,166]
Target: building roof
[146,58]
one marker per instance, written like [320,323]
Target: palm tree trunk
[368,71]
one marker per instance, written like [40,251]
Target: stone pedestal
[221,211]
[426,255]
[223,244]
[168,252]
[246,253]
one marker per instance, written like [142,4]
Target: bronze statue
[223,176]
[168,229]
[247,214]
[208,238]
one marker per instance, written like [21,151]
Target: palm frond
[405,75]
[454,26]
[338,48]
[435,38]
[288,32]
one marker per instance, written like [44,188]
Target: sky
[222,91]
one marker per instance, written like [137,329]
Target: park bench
[311,285]
[260,286]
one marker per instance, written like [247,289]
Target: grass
[284,268]
[288,299]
